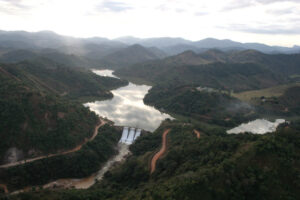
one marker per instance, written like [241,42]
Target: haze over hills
[97,47]
[131,55]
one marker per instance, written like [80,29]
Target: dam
[129,135]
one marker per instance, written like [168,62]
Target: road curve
[21,162]
[197,133]
[161,151]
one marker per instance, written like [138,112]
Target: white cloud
[259,20]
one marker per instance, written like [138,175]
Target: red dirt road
[161,151]
[21,162]
[197,133]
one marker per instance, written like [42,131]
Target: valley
[214,119]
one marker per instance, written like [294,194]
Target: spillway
[130,136]
[137,134]
[124,135]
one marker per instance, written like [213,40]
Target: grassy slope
[269,92]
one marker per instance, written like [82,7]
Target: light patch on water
[127,108]
[258,126]
[104,72]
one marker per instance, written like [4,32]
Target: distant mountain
[128,40]
[229,44]
[236,70]
[163,42]
[98,47]
[43,39]
[15,56]
[153,42]
[131,55]
[94,48]
[180,48]
[214,43]
[174,46]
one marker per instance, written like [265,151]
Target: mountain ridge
[171,45]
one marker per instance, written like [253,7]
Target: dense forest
[44,82]
[39,108]
[79,164]
[216,166]
[203,104]
[43,74]
[237,71]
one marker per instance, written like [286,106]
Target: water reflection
[127,107]
[105,72]
[258,126]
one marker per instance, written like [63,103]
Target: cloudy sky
[274,22]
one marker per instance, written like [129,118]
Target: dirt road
[197,133]
[21,162]
[161,151]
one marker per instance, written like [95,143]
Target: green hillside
[39,109]
[14,56]
[79,164]
[238,71]
[44,74]
[203,104]
[130,55]
[216,166]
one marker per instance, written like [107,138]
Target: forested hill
[215,166]
[39,112]
[44,74]
[131,55]
[203,104]
[15,56]
[238,71]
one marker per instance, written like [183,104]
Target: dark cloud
[114,6]
[271,29]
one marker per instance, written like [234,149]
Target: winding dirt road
[21,162]
[197,133]
[161,151]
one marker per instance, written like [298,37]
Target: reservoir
[127,108]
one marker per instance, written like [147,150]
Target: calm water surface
[258,126]
[127,108]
